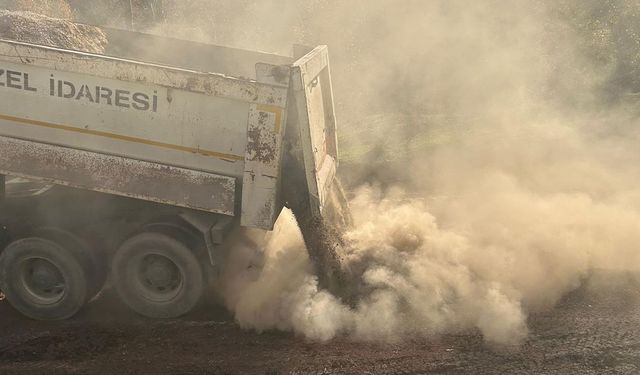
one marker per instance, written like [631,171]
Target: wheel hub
[43,281]
[160,278]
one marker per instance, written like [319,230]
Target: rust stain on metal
[261,143]
[281,74]
[192,83]
[208,88]
[277,111]
[266,212]
[262,166]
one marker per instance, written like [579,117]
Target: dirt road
[592,331]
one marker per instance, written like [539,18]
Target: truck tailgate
[317,123]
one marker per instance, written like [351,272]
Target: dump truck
[144,165]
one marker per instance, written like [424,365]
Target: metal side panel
[313,95]
[211,84]
[188,54]
[263,158]
[174,127]
[117,175]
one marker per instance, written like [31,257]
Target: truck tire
[93,259]
[43,280]
[177,229]
[157,276]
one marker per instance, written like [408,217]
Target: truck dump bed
[169,121]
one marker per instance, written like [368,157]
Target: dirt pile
[38,29]
[51,8]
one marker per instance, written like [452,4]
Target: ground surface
[592,331]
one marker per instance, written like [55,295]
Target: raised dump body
[204,129]
[162,133]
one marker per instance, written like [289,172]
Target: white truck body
[182,135]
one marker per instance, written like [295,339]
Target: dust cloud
[517,175]
[490,146]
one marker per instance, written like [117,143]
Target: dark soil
[595,330]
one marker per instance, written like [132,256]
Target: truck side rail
[188,54]
[212,84]
[117,175]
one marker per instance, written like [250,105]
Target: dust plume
[491,150]
[490,146]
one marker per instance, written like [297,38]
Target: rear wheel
[43,280]
[92,258]
[157,276]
